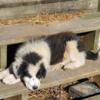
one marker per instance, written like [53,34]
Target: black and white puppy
[34,58]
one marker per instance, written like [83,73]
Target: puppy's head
[33,75]
[29,74]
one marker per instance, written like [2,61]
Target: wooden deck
[10,34]
[22,32]
[91,68]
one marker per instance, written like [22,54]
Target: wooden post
[89,40]
[96,40]
[24,96]
[98,5]
[3,57]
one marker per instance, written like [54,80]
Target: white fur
[76,58]
[40,47]
[32,82]
[8,78]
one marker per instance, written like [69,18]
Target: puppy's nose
[34,87]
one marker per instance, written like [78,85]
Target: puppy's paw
[70,66]
[9,80]
[56,67]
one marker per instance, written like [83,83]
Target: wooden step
[21,8]
[21,32]
[91,68]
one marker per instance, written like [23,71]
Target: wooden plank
[91,68]
[14,98]
[11,91]
[96,97]
[98,5]
[22,32]
[23,96]
[2,2]
[96,40]
[20,8]
[91,39]
[6,2]
[88,40]
[96,79]
[3,57]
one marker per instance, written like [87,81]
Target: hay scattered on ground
[55,93]
[43,18]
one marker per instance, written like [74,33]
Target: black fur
[23,70]
[41,72]
[11,71]
[91,56]
[57,45]
[32,58]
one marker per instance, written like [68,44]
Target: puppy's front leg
[10,79]
[4,73]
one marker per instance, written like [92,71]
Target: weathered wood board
[14,98]
[21,32]
[3,55]
[20,8]
[96,97]
[23,96]
[91,68]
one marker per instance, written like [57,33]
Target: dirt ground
[55,93]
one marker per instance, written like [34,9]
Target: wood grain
[20,8]
[22,32]
[14,98]
[3,57]
[6,2]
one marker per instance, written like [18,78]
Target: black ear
[41,72]
[11,71]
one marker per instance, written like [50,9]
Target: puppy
[36,57]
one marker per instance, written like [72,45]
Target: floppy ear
[41,72]
[13,69]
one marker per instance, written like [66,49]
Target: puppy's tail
[92,56]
